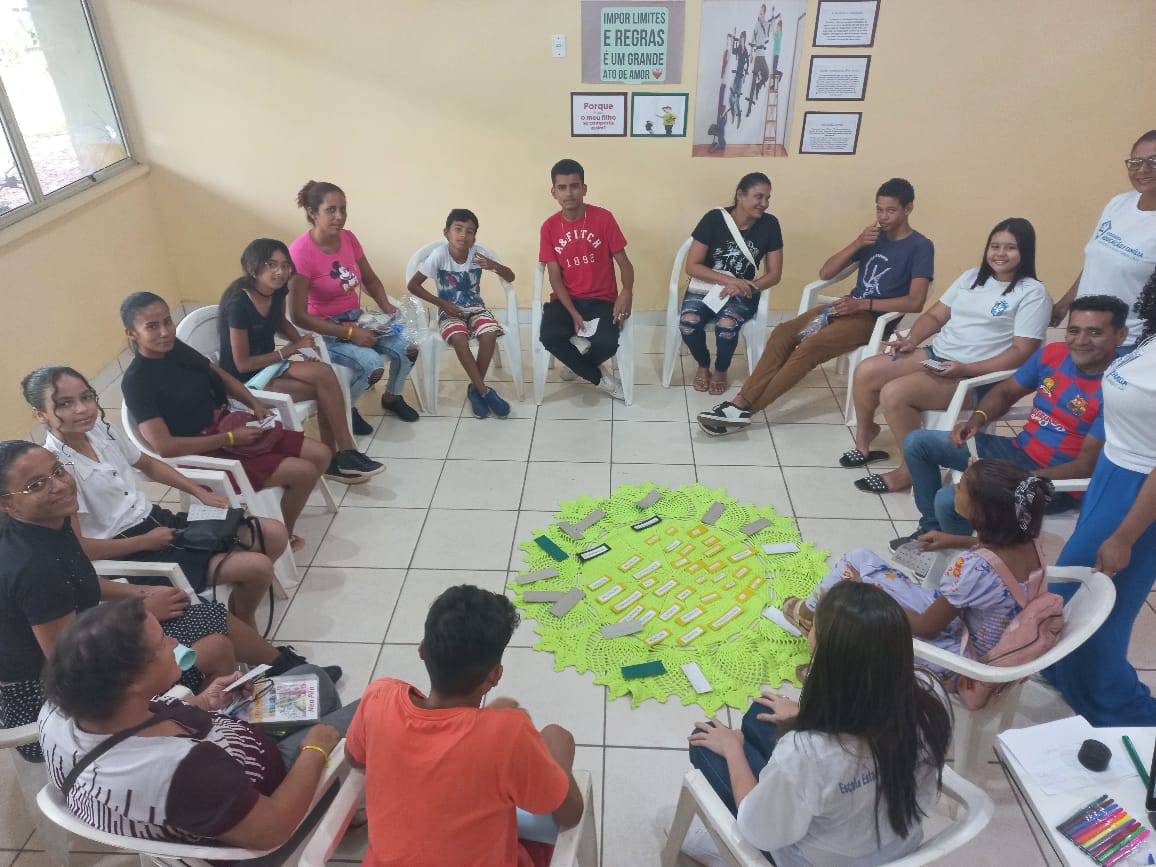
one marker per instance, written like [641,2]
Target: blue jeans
[927,452]
[364,360]
[1096,678]
[695,316]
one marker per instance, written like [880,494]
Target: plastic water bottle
[816,325]
[411,319]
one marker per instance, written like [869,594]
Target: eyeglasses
[39,484]
[277,265]
[1134,163]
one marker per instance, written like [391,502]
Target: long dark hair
[746,182]
[253,259]
[1025,234]
[37,384]
[1007,502]
[1146,308]
[311,196]
[863,683]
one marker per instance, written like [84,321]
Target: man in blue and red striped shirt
[1061,439]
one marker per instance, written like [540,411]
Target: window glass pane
[59,97]
[12,194]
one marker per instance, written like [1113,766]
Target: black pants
[558,328]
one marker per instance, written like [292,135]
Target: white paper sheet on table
[589,326]
[714,298]
[1048,753]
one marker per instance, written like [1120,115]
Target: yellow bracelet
[349,336]
[229,437]
[986,420]
[318,749]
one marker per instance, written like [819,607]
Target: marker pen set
[1104,831]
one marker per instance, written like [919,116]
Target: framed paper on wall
[597,114]
[830,132]
[661,115]
[846,23]
[838,77]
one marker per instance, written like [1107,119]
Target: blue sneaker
[478,403]
[494,401]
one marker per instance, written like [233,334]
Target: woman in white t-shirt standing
[1121,253]
[1116,533]
[845,775]
[991,318]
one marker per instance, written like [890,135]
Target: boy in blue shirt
[457,270]
[895,271]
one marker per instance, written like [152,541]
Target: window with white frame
[61,131]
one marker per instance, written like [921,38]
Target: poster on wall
[846,23]
[748,63]
[597,114]
[625,42]
[841,77]
[660,115]
[830,132]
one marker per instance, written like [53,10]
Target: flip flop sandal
[872,484]
[296,543]
[701,381]
[717,388]
[799,615]
[855,458]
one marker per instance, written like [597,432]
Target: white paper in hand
[714,298]
[201,512]
[309,354]
[589,326]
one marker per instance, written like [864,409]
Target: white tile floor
[370,571]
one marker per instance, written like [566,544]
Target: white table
[1052,809]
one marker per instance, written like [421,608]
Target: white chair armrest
[19,736]
[811,291]
[1071,485]
[718,820]
[137,569]
[331,827]
[978,810]
[513,327]
[966,386]
[281,402]
[1083,615]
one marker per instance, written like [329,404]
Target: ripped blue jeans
[695,317]
[364,360]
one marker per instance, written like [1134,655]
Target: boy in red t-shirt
[443,774]
[577,245]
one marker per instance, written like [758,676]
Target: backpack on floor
[1032,632]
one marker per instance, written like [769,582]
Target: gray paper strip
[649,500]
[578,529]
[562,607]
[754,526]
[543,595]
[540,575]
[714,513]
[626,627]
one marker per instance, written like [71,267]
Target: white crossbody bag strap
[738,236]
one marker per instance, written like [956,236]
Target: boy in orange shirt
[443,774]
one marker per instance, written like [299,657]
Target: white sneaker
[610,384]
[566,374]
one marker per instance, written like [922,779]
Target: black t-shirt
[723,254]
[181,388]
[238,311]
[44,576]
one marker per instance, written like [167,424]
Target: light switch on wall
[559,44]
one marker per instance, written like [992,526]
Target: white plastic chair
[698,798]
[264,504]
[543,359]
[313,851]
[578,846]
[975,730]
[754,331]
[510,342]
[812,298]
[198,329]
[945,419]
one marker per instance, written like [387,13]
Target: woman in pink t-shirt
[324,296]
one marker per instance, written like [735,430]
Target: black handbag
[216,537]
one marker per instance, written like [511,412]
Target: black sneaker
[896,544]
[359,426]
[726,413]
[717,430]
[367,464]
[400,408]
[288,658]
[352,468]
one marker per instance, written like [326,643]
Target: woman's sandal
[701,381]
[296,543]
[798,614]
[718,386]
[872,483]
[855,458]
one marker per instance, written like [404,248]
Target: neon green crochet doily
[700,590]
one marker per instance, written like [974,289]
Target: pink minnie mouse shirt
[334,278]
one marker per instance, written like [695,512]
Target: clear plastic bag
[411,319]
[816,325]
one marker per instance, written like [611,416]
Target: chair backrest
[199,330]
[133,432]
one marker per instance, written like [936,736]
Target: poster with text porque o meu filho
[597,114]
[636,43]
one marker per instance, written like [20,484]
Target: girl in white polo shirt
[1116,534]
[991,318]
